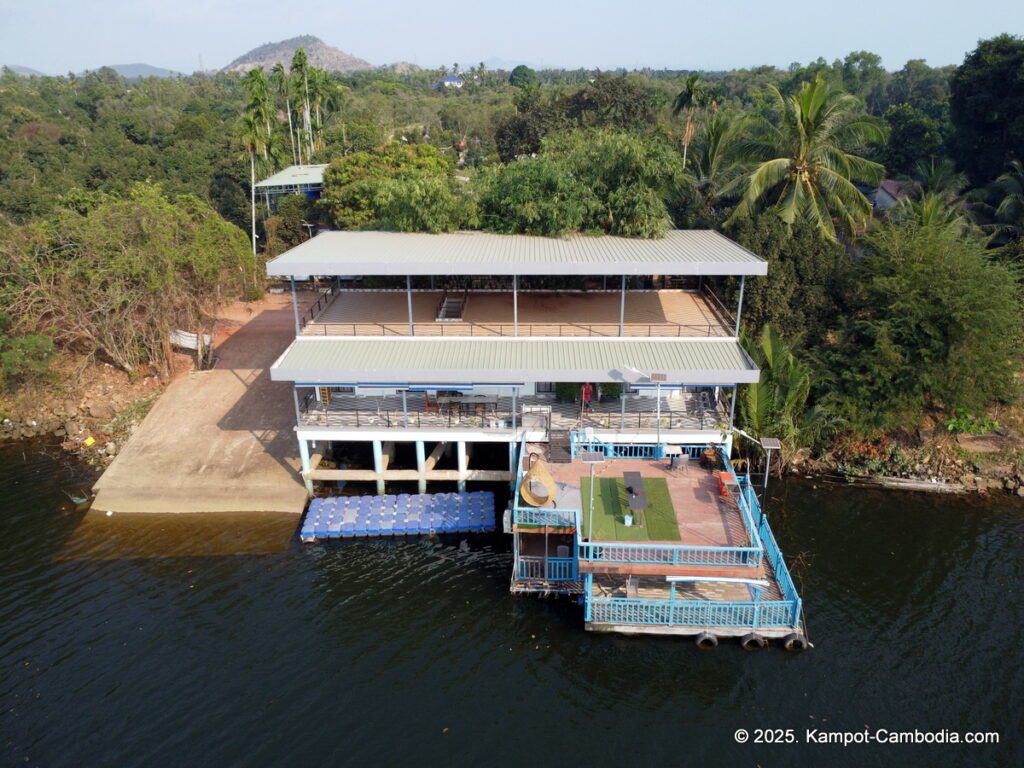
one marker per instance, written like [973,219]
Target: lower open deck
[694,411]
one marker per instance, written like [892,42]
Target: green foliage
[522,77]
[622,102]
[987,108]
[1000,208]
[627,175]
[777,406]
[118,279]
[934,325]
[807,276]
[352,184]
[805,166]
[533,196]
[966,424]
[22,356]
[287,228]
[567,391]
[913,136]
[417,203]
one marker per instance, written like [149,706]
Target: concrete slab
[220,440]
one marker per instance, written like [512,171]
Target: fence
[549,569]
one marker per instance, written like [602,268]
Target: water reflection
[97,536]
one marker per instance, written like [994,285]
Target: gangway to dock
[339,517]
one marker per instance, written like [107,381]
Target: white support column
[298,411]
[408,301]
[463,464]
[515,305]
[657,411]
[739,307]
[514,415]
[405,409]
[421,465]
[295,307]
[622,406]
[732,408]
[304,456]
[378,464]
[622,309]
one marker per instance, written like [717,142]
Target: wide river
[197,642]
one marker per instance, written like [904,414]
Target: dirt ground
[219,440]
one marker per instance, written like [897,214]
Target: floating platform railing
[751,614]
[668,554]
[548,569]
[558,518]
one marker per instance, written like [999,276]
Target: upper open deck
[368,312]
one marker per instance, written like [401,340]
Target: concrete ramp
[219,440]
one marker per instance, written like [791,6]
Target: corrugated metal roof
[295,175]
[319,360]
[680,252]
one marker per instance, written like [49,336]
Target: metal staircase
[452,306]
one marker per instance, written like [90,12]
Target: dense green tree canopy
[934,325]
[116,279]
[533,196]
[987,108]
[353,197]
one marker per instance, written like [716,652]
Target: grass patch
[657,522]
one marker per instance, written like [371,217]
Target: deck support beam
[295,307]
[739,307]
[378,465]
[515,305]
[732,407]
[306,466]
[622,308]
[298,411]
[421,466]
[408,301]
[463,457]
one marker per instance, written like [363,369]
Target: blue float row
[406,514]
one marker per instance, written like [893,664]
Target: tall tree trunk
[252,190]
[291,138]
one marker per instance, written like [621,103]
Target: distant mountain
[320,55]
[133,71]
[24,71]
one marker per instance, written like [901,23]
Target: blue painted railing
[563,518]
[752,614]
[578,442]
[552,569]
[667,554]
[782,575]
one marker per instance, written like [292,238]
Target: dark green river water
[190,642]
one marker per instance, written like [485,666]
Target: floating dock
[340,517]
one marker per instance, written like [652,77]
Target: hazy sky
[57,36]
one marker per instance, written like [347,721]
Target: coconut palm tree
[1003,207]
[804,167]
[934,209]
[260,104]
[253,139]
[715,163]
[282,87]
[300,77]
[693,96]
